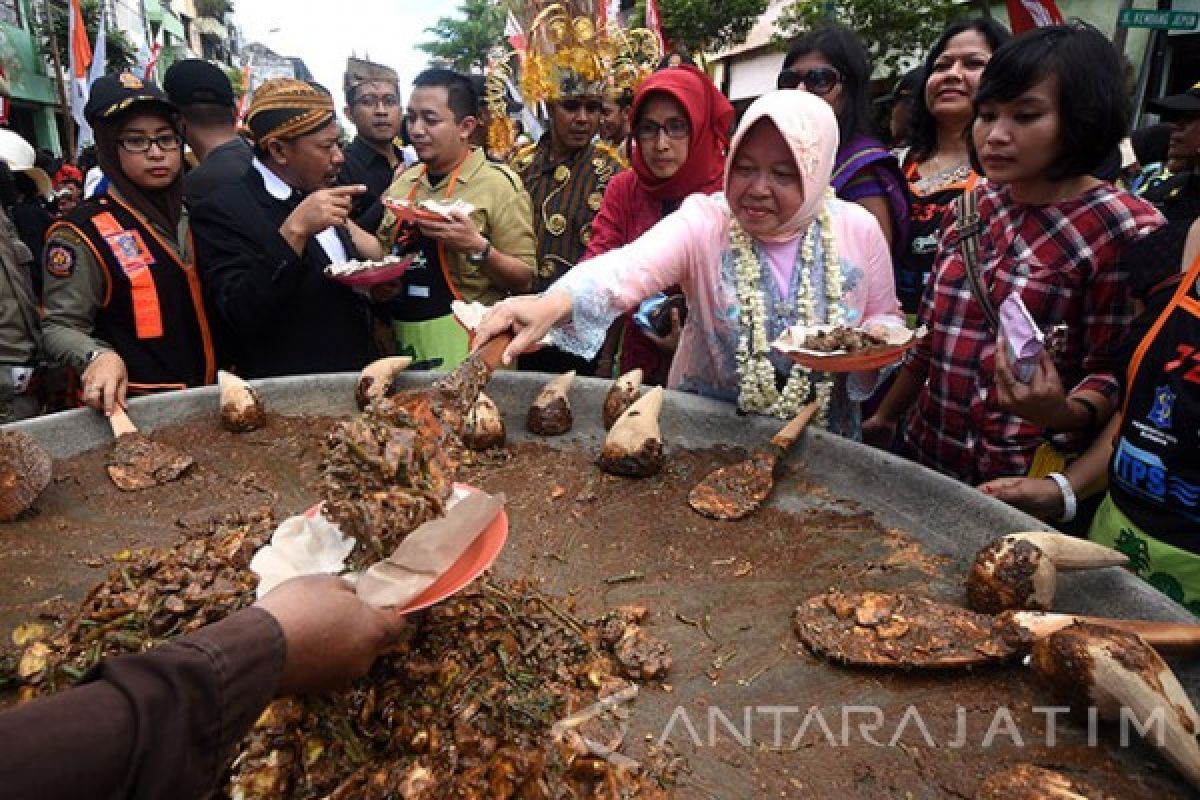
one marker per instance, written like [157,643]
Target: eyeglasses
[675,128]
[373,100]
[141,144]
[571,105]
[819,81]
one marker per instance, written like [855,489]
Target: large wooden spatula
[139,462]
[879,629]
[738,490]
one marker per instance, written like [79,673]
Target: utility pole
[1120,33]
[58,80]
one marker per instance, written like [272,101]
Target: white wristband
[1070,505]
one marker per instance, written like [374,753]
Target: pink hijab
[810,128]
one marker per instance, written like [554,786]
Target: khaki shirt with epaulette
[502,213]
[74,291]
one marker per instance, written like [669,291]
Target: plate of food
[435,561]
[370,273]
[838,348]
[426,210]
[478,557]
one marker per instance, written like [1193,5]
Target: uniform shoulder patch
[510,174]
[61,259]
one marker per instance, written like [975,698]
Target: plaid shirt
[1063,260]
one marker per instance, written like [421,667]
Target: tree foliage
[120,52]
[464,41]
[894,32]
[707,26]
[236,80]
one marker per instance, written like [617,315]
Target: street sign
[1163,20]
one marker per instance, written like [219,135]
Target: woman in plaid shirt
[1051,104]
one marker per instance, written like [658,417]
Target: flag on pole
[609,15]
[654,23]
[78,62]
[100,52]
[148,56]
[515,35]
[247,90]
[99,65]
[1025,15]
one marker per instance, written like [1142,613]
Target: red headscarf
[711,117]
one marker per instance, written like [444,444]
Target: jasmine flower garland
[758,392]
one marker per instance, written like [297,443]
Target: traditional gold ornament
[562,173]
[585,235]
[556,224]
[594,200]
[570,52]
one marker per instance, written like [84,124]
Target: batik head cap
[285,108]
[360,71]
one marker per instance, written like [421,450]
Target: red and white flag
[654,23]
[609,15]
[151,57]
[515,34]
[1025,15]
[247,90]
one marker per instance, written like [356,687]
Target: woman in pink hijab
[775,249]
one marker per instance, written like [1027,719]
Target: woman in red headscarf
[680,135]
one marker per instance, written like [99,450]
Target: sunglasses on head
[571,105]
[818,81]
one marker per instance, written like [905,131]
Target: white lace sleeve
[593,309]
[610,284]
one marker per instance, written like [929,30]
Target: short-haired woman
[1050,107]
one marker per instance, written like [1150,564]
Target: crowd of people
[650,226]
[653,228]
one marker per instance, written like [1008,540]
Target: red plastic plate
[373,277]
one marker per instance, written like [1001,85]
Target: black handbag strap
[968,227]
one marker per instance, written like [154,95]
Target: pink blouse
[691,248]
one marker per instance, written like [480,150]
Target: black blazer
[276,312]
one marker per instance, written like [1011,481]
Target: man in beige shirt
[482,255]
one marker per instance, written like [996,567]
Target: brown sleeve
[157,724]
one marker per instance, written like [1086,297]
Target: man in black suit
[206,104]
[263,243]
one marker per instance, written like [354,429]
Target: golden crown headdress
[559,49]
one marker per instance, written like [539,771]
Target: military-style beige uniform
[422,321]
[20,330]
[502,213]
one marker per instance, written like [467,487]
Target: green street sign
[1164,20]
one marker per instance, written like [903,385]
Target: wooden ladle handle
[788,435]
[493,350]
[1166,637]
[121,423]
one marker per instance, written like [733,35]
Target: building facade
[34,107]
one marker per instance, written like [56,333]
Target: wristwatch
[480,258]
